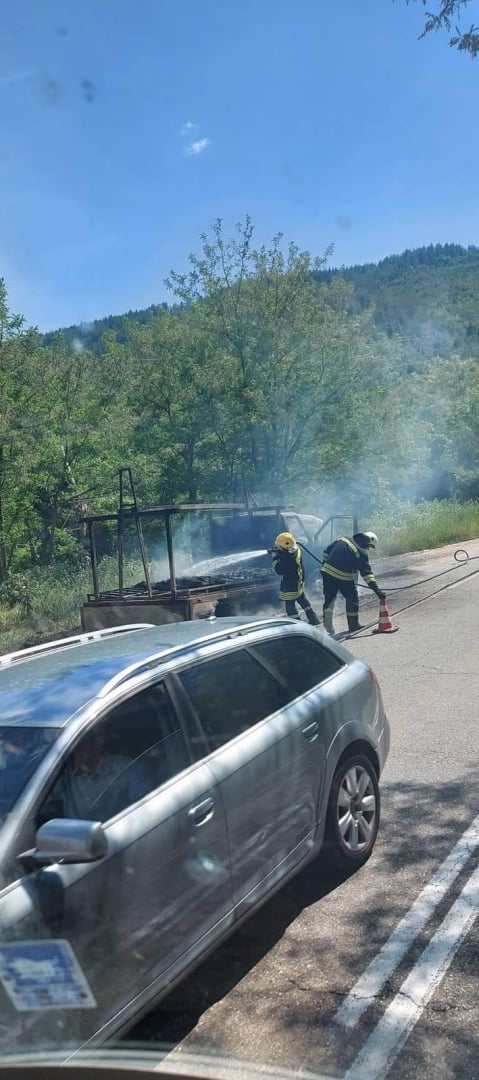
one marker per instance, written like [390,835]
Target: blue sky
[130,125]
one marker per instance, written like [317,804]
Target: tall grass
[45,602]
[419,526]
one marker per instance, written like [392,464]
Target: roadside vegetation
[340,392]
[44,603]
[428,525]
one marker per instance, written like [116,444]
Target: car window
[128,753]
[239,532]
[302,662]
[230,694]
[21,751]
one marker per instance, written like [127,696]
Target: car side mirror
[67,841]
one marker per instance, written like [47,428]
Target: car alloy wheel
[353,812]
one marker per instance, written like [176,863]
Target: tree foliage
[269,371]
[444,18]
[429,296]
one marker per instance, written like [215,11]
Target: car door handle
[311,732]
[203,812]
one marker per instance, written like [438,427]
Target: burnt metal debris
[239,577]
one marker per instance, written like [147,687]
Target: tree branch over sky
[444,18]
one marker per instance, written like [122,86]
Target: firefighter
[288,564]
[344,558]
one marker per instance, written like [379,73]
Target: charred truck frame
[236,578]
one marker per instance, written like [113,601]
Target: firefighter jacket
[289,566]
[343,559]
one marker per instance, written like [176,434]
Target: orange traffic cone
[385,625]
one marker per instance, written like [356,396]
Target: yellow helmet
[286,542]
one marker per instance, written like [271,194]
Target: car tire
[353,814]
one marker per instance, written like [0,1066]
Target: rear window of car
[231,693]
[300,661]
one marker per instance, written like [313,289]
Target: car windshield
[21,751]
[239,384]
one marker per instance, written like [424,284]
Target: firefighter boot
[311,616]
[328,621]
[354,624]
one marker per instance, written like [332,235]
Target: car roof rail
[75,639]
[156,658]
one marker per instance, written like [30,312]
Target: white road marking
[371,982]
[390,1034]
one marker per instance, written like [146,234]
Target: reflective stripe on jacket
[289,566]
[343,559]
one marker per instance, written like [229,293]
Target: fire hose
[414,584]
[461,557]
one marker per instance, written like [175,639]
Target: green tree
[86,437]
[451,411]
[266,319]
[23,381]
[444,18]
[306,387]
[179,385]
[64,426]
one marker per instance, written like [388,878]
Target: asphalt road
[294,987]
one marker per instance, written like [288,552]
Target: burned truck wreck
[197,561]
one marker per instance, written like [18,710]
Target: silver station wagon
[156,785]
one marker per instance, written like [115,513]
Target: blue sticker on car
[44,975]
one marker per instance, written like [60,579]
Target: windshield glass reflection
[21,751]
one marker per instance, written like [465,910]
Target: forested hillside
[90,334]
[430,296]
[326,388]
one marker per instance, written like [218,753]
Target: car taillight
[373,676]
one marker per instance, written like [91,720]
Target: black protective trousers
[305,605]
[331,587]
